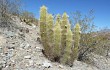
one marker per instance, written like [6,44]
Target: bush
[8,8]
[88,40]
[28,17]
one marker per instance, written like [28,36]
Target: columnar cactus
[50,29]
[58,18]
[57,39]
[64,31]
[43,15]
[67,50]
[76,41]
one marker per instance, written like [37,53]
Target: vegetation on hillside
[10,8]
[63,41]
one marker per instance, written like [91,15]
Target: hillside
[21,49]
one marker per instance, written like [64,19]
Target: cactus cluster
[58,40]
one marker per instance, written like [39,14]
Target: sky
[101,8]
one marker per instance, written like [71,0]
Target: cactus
[64,31]
[50,35]
[57,39]
[76,42]
[58,18]
[67,51]
[49,29]
[43,15]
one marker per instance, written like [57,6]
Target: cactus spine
[76,41]
[57,39]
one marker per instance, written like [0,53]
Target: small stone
[47,64]
[0,49]
[31,62]
[109,54]
[38,49]
[34,26]
[27,57]
[27,30]
[60,66]
[11,47]
[25,45]
[39,40]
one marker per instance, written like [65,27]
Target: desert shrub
[87,27]
[28,17]
[8,8]
[57,38]
[90,41]
[103,47]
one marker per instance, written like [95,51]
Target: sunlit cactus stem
[76,41]
[50,36]
[67,50]
[43,15]
[58,18]
[57,39]
[50,22]
[64,31]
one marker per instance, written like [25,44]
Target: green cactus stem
[64,31]
[57,39]
[76,42]
[67,51]
[50,22]
[58,18]
[43,13]
[43,30]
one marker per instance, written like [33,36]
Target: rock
[47,64]
[39,62]
[31,62]
[34,26]
[2,63]
[108,54]
[24,30]
[27,30]
[2,40]
[60,66]
[11,47]
[39,40]
[1,49]
[9,33]
[25,45]
[27,57]
[39,49]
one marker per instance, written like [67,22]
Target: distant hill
[104,30]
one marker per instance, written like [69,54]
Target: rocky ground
[21,49]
